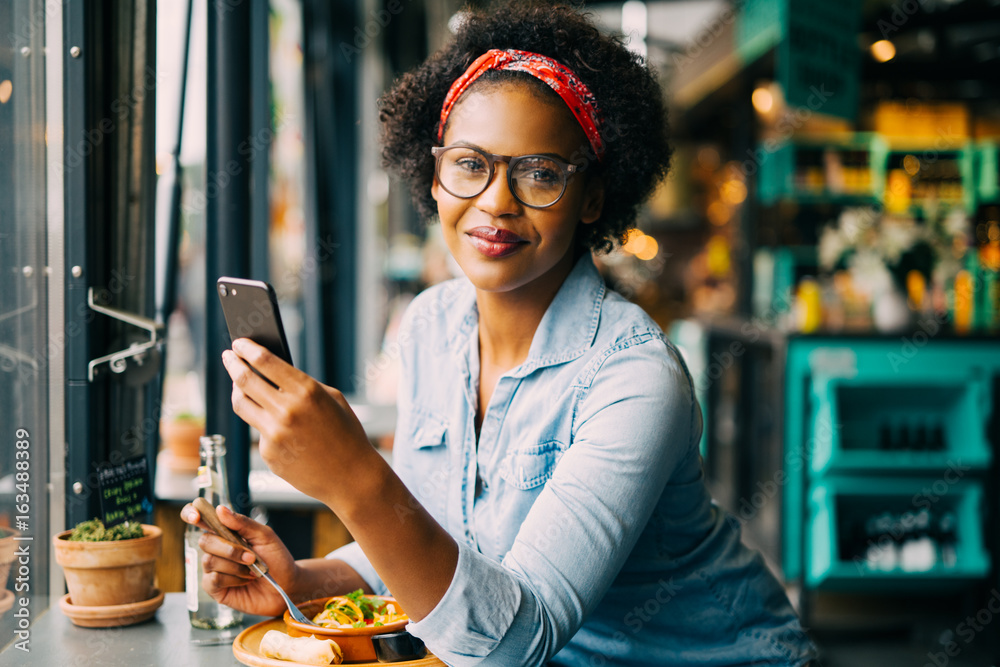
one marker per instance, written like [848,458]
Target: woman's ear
[434,188]
[593,201]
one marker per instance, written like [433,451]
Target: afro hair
[634,124]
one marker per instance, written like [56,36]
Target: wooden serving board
[246,649]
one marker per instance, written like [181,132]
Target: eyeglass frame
[511,161]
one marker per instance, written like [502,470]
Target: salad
[356,610]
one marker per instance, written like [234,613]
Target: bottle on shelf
[937,438]
[947,539]
[918,552]
[203,611]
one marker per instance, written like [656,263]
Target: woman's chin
[530,265]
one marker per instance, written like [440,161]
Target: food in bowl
[354,639]
[303,650]
[356,610]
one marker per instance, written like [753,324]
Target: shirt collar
[566,331]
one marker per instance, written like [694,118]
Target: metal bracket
[118,361]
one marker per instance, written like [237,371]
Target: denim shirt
[586,534]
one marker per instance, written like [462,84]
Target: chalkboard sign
[124,492]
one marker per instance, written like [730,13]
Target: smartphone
[251,311]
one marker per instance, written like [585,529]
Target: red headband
[557,76]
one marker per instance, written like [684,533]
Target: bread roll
[304,650]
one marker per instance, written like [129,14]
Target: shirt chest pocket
[428,432]
[528,468]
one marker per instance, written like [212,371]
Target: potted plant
[881,253]
[180,436]
[110,568]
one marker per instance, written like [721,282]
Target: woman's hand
[312,439]
[309,434]
[227,577]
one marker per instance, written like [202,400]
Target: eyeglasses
[537,181]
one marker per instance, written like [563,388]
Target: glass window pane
[25,347]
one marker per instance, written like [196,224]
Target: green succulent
[94,531]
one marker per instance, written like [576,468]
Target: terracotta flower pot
[109,573]
[180,436]
[180,441]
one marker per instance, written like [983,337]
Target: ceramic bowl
[356,643]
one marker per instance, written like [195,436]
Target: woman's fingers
[190,515]
[215,582]
[252,531]
[212,563]
[212,544]
[270,366]
[249,383]
[249,410]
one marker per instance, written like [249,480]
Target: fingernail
[239,344]
[189,515]
[248,557]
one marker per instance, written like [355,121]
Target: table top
[164,640]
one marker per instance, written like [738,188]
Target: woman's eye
[544,175]
[471,164]
[538,175]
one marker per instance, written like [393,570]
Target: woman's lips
[494,242]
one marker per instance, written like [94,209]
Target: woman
[547,503]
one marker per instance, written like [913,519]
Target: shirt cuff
[475,612]
[355,557]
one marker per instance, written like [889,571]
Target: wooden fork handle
[210,517]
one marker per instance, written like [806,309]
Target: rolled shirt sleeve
[636,422]
[475,613]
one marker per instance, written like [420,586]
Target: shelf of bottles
[864,168]
[890,533]
[891,425]
[894,435]
[847,168]
[923,175]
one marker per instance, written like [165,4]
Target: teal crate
[779,162]
[988,173]
[965,158]
[777,173]
[967,167]
[922,356]
[791,264]
[838,559]
[894,425]
[760,26]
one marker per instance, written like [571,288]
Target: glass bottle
[203,611]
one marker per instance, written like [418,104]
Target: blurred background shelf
[888,424]
[921,534]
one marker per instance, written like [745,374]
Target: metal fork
[211,518]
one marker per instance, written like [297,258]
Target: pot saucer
[6,601]
[111,615]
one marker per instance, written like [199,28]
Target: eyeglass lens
[535,180]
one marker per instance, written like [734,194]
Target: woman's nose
[497,199]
